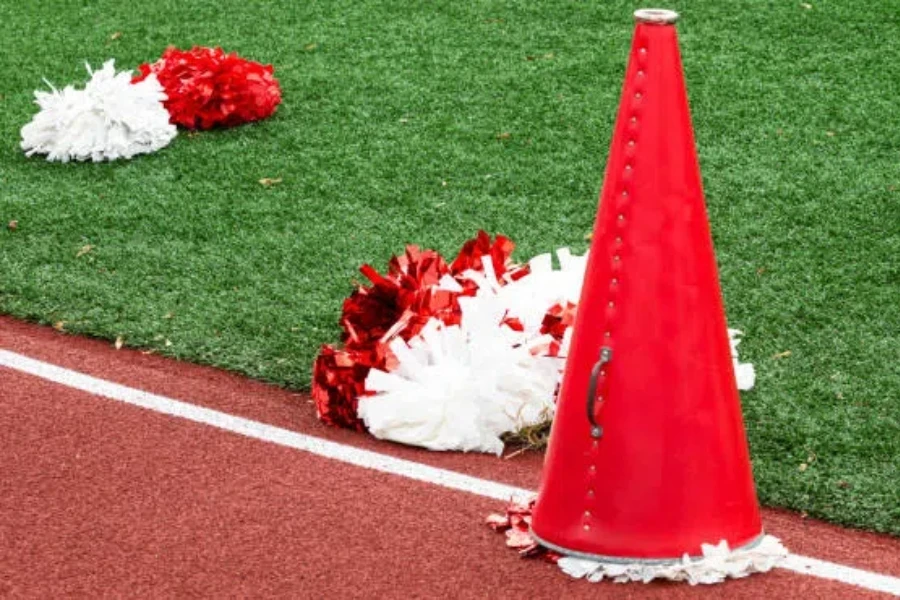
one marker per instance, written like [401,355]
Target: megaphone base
[717,563]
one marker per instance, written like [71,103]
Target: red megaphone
[648,456]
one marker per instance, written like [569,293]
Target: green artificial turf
[423,122]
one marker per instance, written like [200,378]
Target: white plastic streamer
[110,118]
[717,564]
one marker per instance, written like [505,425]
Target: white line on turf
[366,458]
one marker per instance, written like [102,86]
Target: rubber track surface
[99,497]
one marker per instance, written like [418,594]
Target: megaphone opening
[656,16]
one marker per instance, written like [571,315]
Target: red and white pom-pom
[453,357]
[208,88]
[109,119]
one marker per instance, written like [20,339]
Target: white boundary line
[368,459]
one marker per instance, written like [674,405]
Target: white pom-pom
[460,387]
[110,118]
[743,372]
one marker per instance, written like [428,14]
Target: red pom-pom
[207,88]
[396,304]
[400,302]
[339,378]
[473,252]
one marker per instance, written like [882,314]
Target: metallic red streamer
[208,88]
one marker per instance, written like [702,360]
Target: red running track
[101,497]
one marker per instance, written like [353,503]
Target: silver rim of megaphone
[621,560]
[655,16]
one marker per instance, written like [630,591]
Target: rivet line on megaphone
[595,394]
[618,240]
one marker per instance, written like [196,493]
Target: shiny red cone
[648,456]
